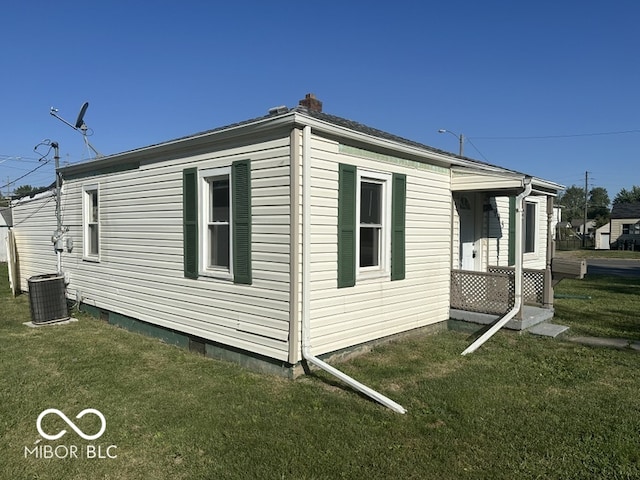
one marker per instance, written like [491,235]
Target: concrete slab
[635,346]
[601,342]
[534,315]
[548,330]
[530,316]
[38,325]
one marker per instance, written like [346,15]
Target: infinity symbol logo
[71,424]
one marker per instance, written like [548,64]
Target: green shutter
[346,226]
[190,221]
[512,230]
[241,207]
[398,217]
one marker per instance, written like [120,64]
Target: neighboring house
[602,239]
[6,222]
[556,219]
[579,226]
[296,230]
[563,230]
[625,226]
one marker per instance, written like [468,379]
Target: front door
[467,217]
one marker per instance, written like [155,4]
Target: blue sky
[499,72]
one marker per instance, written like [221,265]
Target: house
[292,236]
[625,226]
[563,230]
[556,219]
[6,221]
[602,237]
[579,226]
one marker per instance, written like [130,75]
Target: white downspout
[518,273]
[306,284]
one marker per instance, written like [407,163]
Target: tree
[627,196]
[572,199]
[23,190]
[599,206]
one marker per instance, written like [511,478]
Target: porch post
[547,299]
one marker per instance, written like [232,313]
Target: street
[623,268]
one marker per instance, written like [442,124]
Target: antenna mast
[80,126]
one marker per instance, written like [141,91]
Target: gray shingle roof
[626,210]
[7,216]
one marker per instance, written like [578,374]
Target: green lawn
[520,407]
[611,311]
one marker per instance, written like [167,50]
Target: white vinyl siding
[33,222]
[141,271]
[377,307]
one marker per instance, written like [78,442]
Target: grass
[611,310]
[520,407]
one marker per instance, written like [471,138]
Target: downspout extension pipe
[306,287]
[518,272]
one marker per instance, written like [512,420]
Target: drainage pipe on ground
[306,285]
[518,272]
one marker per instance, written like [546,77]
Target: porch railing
[532,283]
[493,291]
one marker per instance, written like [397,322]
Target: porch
[483,297]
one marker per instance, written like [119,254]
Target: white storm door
[467,235]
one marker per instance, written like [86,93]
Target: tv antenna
[79,126]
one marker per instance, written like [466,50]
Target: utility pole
[57,235]
[586,203]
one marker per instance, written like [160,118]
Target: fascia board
[181,145]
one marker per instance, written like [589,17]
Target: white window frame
[203,223]
[87,192]
[536,224]
[383,269]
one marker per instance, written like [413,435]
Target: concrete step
[548,330]
[530,316]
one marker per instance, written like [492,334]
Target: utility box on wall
[47,298]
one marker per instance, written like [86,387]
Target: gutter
[518,273]
[306,285]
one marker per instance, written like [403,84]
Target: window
[91,217]
[631,228]
[371,225]
[217,222]
[530,231]
[374,233]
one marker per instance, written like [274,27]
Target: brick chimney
[311,102]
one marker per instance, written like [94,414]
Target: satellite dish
[83,110]
[79,126]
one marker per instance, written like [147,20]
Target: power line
[6,158]
[33,170]
[536,137]
[476,148]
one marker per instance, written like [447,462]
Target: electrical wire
[42,157]
[2,187]
[537,137]
[476,148]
